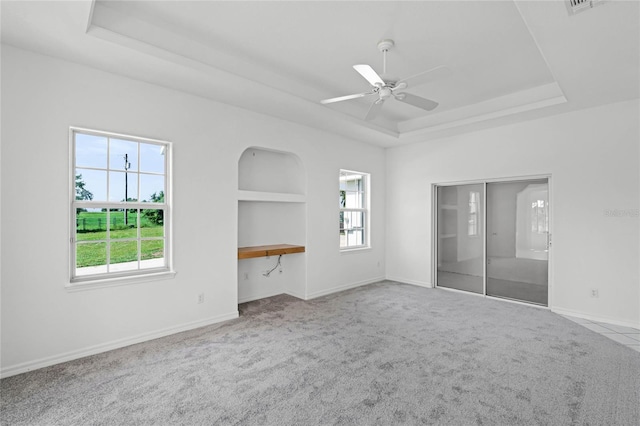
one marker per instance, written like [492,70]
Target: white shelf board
[277,197]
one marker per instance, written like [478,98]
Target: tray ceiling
[282,58]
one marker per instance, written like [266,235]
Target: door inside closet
[493,239]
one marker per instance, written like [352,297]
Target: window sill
[82,284]
[354,250]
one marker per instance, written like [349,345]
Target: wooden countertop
[268,250]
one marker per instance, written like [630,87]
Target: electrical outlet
[246,275]
[201,298]
[594,292]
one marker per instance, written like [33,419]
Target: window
[120,206]
[354,210]
[539,217]
[474,209]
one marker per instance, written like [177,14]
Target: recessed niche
[265,170]
[271,212]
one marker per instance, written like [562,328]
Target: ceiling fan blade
[416,101]
[345,98]
[367,72]
[433,74]
[374,110]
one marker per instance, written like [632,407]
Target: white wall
[42,322]
[592,156]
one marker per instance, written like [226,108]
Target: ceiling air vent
[575,6]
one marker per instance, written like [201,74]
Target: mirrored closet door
[517,240]
[461,237]
[493,239]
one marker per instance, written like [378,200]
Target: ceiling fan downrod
[384,46]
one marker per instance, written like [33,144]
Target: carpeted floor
[382,354]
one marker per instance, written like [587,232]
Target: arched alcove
[271,212]
[265,170]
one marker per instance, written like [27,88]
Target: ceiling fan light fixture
[384,93]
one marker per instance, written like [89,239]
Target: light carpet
[382,354]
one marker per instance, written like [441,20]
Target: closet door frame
[484,182]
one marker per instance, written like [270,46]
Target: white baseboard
[572,313]
[412,282]
[343,287]
[12,370]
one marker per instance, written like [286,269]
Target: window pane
[123,186]
[91,185]
[122,226]
[124,251]
[123,155]
[153,253]
[343,182]
[91,151]
[89,255]
[353,220]
[151,223]
[354,200]
[91,270]
[151,158]
[352,229]
[353,183]
[152,188]
[91,224]
[355,238]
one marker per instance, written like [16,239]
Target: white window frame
[366,210]
[129,276]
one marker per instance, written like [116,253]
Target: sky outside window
[144,161]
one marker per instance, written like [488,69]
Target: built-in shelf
[274,197]
[272,187]
[268,250]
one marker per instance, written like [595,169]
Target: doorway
[493,239]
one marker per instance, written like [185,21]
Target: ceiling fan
[388,88]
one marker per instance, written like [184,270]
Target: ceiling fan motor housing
[384,92]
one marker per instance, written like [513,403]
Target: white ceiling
[510,61]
